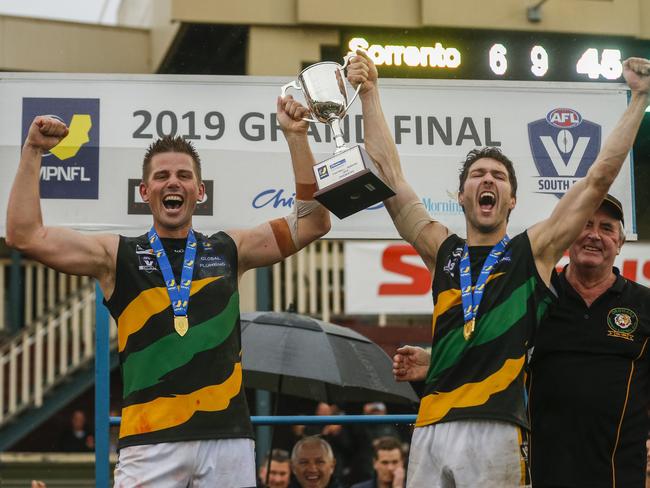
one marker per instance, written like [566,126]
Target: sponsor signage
[551,133]
[70,170]
[390,277]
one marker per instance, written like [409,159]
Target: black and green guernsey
[483,377]
[179,388]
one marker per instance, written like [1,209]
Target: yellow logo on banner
[79,127]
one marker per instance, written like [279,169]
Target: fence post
[102,391]
[263,397]
[15,292]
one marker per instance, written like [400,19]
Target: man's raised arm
[551,237]
[272,241]
[63,249]
[409,215]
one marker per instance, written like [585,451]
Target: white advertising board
[389,277]
[551,131]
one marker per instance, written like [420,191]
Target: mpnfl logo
[563,146]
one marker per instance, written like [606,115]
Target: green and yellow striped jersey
[483,377]
[179,388]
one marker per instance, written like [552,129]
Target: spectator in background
[337,437]
[364,436]
[77,438]
[312,463]
[388,463]
[279,473]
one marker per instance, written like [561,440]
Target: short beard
[483,228]
[487,229]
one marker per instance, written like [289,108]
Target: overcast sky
[93,11]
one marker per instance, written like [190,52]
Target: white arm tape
[302,208]
[411,220]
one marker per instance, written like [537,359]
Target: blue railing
[320,419]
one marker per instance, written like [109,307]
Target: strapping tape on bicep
[285,230]
[411,220]
[283,236]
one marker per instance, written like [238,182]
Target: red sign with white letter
[389,276]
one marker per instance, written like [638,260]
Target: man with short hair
[489,291]
[388,463]
[590,368]
[312,463]
[279,472]
[364,436]
[174,295]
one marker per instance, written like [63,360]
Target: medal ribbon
[178,295]
[472,299]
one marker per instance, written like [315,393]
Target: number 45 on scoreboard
[609,66]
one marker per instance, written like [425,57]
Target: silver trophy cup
[348,181]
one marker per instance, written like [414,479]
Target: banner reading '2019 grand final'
[552,132]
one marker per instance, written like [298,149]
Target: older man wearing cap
[590,369]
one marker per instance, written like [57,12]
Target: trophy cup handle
[346,60]
[291,84]
[296,85]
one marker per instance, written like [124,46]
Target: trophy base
[353,183]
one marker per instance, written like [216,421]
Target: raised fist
[637,74]
[45,133]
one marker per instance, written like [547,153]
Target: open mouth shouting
[487,200]
[172,202]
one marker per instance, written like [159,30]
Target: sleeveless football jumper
[482,378]
[179,388]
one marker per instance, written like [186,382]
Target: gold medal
[181,324]
[468,330]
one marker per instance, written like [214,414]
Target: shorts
[468,454]
[227,463]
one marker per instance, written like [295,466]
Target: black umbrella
[297,355]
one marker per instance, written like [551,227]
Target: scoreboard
[494,55]
[483,54]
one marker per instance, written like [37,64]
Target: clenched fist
[45,133]
[637,74]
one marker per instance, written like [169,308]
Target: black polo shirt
[589,389]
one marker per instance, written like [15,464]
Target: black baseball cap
[614,205]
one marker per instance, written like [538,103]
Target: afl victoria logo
[563,146]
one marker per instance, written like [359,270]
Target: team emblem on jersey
[147,262]
[622,323]
[453,261]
